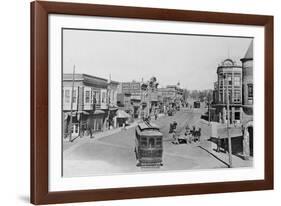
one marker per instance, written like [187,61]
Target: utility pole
[71,105]
[147,98]
[147,89]
[228,120]
[78,114]
[108,100]
[209,110]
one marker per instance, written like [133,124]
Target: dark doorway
[237,115]
[237,145]
[136,112]
[250,130]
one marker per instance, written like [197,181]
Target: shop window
[236,98]
[74,98]
[67,95]
[103,98]
[96,98]
[236,81]
[229,79]
[87,97]
[250,90]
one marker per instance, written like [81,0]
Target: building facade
[238,82]
[248,93]
[248,101]
[112,89]
[86,103]
[228,85]
[171,94]
[133,88]
[129,97]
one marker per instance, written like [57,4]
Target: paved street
[115,153]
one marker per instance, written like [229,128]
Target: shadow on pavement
[214,156]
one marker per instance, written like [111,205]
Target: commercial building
[133,88]
[248,95]
[112,89]
[129,97]
[111,104]
[248,101]
[228,85]
[87,101]
[171,94]
[238,82]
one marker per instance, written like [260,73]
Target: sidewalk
[69,146]
[211,147]
[223,156]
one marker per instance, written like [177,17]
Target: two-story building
[84,103]
[112,108]
[129,97]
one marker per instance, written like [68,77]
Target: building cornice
[246,59]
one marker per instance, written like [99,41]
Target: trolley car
[149,145]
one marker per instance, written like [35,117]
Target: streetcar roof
[151,133]
[147,126]
[149,129]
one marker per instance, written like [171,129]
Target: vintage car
[148,145]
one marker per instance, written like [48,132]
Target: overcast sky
[126,56]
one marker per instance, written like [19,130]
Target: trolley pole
[228,120]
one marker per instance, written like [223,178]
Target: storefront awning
[233,132]
[98,111]
[122,114]
[74,113]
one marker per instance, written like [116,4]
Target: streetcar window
[158,142]
[151,142]
[143,141]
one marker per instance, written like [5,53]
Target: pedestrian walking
[187,133]
[155,115]
[125,123]
[90,133]
[199,135]
[90,126]
[218,144]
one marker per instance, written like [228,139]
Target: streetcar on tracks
[148,145]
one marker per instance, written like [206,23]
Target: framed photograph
[131,102]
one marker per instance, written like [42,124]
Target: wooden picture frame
[40,107]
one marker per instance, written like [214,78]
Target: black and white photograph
[136,102]
[144,102]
